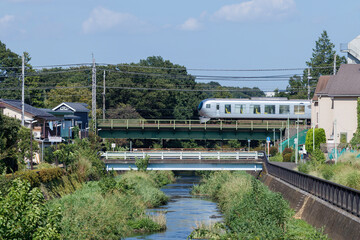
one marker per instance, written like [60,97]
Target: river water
[183,212]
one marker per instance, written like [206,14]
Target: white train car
[254,108]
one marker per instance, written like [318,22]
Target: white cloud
[256,10]
[192,24]
[102,19]
[6,20]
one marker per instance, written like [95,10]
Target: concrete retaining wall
[338,224]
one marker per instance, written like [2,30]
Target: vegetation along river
[183,211]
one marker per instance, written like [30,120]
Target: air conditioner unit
[37,134]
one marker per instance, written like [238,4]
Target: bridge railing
[341,196]
[183,155]
[212,124]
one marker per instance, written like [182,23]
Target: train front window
[208,105]
[239,109]
[200,105]
[227,108]
[255,109]
[299,109]
[269,109]
[284,109]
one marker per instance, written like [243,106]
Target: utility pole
[335,141]
[93,93]
[308,78]
[104,98]
[334,64]
[313,137]
[23,91]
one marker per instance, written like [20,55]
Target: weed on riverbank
[251,210]
[114,207]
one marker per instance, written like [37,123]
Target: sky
[201,34]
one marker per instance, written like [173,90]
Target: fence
[343,197]
[183,155]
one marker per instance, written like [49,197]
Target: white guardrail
[182,155]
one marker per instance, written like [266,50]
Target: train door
[218,109]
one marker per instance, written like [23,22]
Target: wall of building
[343,110]
[346,118]
[15,114]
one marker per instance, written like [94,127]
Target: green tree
[23,145]
[320,137]
[9,128]
[24,214]
[321,63]
[122,111]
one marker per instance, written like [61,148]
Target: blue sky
[223,34]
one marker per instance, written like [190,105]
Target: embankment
[337,224]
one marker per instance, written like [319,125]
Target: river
[183,212]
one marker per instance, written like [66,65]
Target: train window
[255,109]
[227,108]
[299,109]
[217,106]
[284,109]
[269,109]
[239,108]
[208,105]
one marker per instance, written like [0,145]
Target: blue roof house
[74,114]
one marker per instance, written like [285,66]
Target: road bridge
[186,160]
[190,129]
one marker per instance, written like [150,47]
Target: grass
[251,210]
[91,213]
[345,172]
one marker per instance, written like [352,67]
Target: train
[254,108]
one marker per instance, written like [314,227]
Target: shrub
[353,180]
[49,174]
[327,172]
[31,176]
[318,156]
[287,157]
[142,163]
[287,150]
[304,168]
[273,151]
[320,137]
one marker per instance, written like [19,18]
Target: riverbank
[251,210]
[114,207]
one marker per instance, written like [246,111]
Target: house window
[332,103]
[269,109]
[299,109]
[64,108]
[284,109]
[239,108]
[208,105]
[227,108]
[255,109]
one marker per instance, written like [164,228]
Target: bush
[273,151]
[49,174]
[287,157]
[304,168]
[318,156]
[327,172]
[320,137]
[286,151]
[142,163]
[353,180]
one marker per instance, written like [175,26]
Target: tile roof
[321,85]
[36,112]
[76,107]
[345,83]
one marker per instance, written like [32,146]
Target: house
[41,129]
[73,114]
[334,106]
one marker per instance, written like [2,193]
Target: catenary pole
[93,93]
[104,97]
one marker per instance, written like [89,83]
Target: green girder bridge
[190,129]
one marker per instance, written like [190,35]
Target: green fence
[302,138]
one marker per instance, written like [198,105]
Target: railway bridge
[191,129]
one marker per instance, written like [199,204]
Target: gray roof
[345,83]
[36,112]
[321,86]
[76,107]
